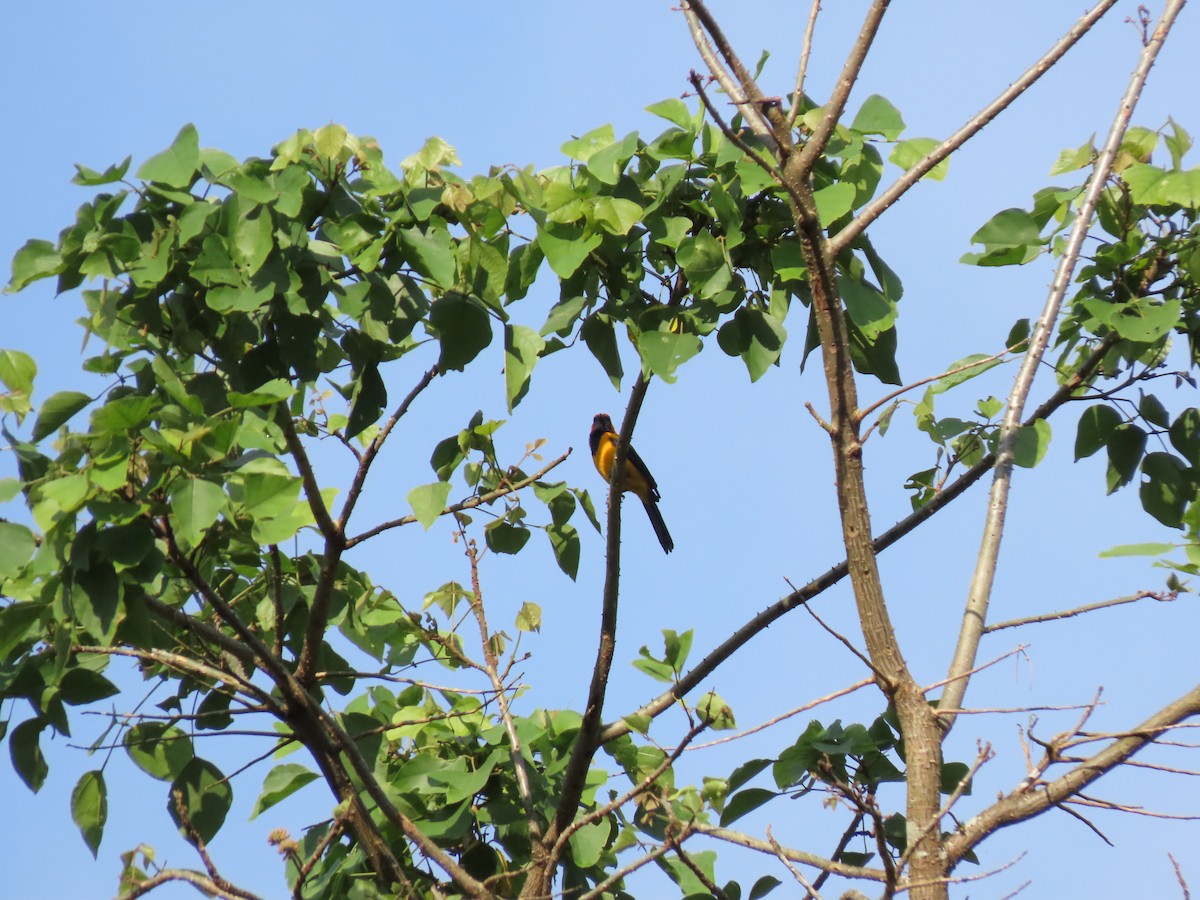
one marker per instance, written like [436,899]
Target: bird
[636,479]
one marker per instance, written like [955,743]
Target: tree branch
[973,126]
[376,444]
[1031,799]
[979,596]
[1162,597]
[588,738]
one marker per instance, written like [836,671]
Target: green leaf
[601,339]
[564,540]
[878,116]
[582,148]
[530,617]
[17,371]
[26,755]
[1011,237]
[763,886]
[1178,143]
[754,335]
[91,178]
[428,501]
[274,391]
[504,537]
[80,686]
[1095,427]
[1032,443]
[588,842]
[607,163]
[57,409]
[1151,409]
[1072,160]
[367,400]
[463,329]
[160,750]
[744,802]
[907,154]
[1126,445]
[1185,435]
[674,110]
[253,240]
[281,782]
[953,774]
[522,347]
[663,352]
[195,505]
[868,308]
[432,254]
[566,247]
[1146,549]
[89,808]
[36,259]
[833,202]
[615,215]
[207,797]
[703,261]
[716,712]
[16,549]
[176,165]
[1166,488]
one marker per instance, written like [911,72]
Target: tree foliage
[250,312]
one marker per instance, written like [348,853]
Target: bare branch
[1161,596]
[984,754]
[1028,800]
[588,738]
[802,70]
[901,391]
[801,164]
[809,888]
[807,859]
[1183,885]
[787,715]
[616,877]
[373,448]
[492,668]
[744,91]
[973,126]
[308,477]
[979,596]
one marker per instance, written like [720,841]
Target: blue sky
[745,473]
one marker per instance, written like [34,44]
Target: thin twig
[808,859]
[373,448]
[984,754]
[743,91]
[787,715]
[887,398]
[810,889]
[1080,610]
[802,70]
[473,502]
[1183,885]
[801,164]
[492,668]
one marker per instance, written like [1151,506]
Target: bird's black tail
[660,527]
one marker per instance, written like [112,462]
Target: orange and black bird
[636,479]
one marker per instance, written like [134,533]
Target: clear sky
[745,473]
